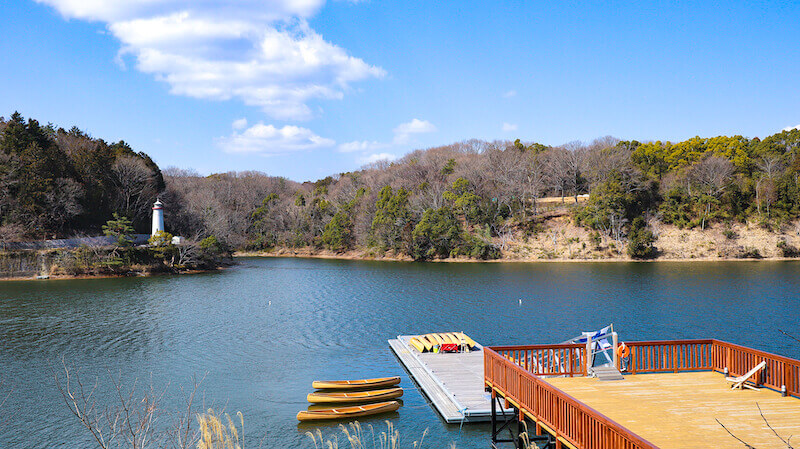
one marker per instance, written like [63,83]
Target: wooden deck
[452,382]
[671,396]
[679,410]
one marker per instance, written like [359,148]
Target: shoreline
[352,256]
[68,277]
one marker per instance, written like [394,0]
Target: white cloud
[263,53]
[369,149]
[112,11]
[510,93]
[361,145]
[789,128]
[239,124]
[267,139]
[372,158]
[403,131]
[509,127]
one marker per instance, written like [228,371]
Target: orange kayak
[348,412]
[354,396]
[361,384]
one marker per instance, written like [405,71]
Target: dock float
[453,382]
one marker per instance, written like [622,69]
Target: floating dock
[453,382]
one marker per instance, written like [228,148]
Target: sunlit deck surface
[678,410]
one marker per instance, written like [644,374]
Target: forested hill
[55,182]
[472,198]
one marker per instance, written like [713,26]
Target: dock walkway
[454,383]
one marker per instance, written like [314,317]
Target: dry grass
[214,434]
[356,436]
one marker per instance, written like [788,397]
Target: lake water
[262,331]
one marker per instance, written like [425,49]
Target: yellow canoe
[354,396]
[436,338]
[361,384]
[454,337]
[466,338]
[431,341]
[417,343]
[446,339]
[348,412]
[425,342]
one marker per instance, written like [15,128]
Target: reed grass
[215,434]
[358,438]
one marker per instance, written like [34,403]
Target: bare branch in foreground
[734,436]
[132,419]
[786,441]
[789,335]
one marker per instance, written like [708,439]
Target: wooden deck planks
[452,382]
[679,410]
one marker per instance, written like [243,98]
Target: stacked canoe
[429,342]
[358,398]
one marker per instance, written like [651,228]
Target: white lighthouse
[158,217]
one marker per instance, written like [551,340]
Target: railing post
[588,355]
[727,359]
[494,416]
[675,348]
[614,343]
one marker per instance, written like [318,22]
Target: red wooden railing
[570,419]
[670,356]
[739,360]
[564,359]
[511,371]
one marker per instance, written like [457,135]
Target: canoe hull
[416,343]
[344,413]
[355,397]
[466,338]
[435,338]
[362,384]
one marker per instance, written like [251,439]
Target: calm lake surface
[262,331]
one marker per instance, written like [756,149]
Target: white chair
[739,382]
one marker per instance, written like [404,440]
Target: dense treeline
[465,199]
[55,182]
[468,198]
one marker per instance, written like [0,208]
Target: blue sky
[307,88]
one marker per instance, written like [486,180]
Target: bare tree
[602,163]
[188,254]
[770,167]
[63,202]
[134,419]
[575,157]
[712,175]
[558,170]
[132,178]
[12,232]
[533,183]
